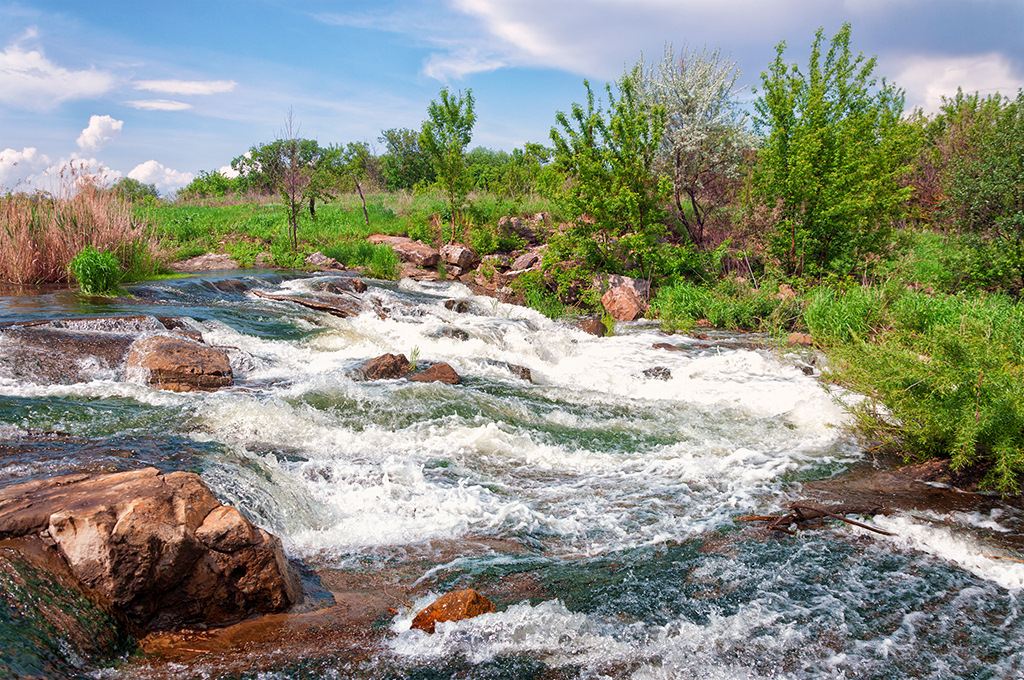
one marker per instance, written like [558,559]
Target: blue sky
[161,90]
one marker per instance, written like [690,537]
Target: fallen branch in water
[801,513]
[1000,557]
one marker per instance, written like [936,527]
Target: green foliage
[835,151]
[404,165]
[944,377]
[210,185]
[838,316]
[538,295]
[134,191]
[729,304]
[444,138]
[97,272]
[705,137]
[609,191]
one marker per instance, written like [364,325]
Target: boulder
[459,256]
[180,364]
[521,372]
[415,252]
[321,261]
[384,367]
[453,606]
[159,546]
[593,326]
[457,306]
[527,260]
[440,372]
[623,304]
[658,373]
[210,262]
[343,286]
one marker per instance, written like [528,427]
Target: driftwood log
[800,514]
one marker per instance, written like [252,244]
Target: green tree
[134,191]
[444,138]
[834,153]
[705,137]
[610,189]
[403,164]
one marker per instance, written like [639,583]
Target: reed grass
[41,233]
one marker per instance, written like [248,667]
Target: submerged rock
[179,364]
[658,373]
[160,547]
[453,606]
[521,372]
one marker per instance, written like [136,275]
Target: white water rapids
[614,484]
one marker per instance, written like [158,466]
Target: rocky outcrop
[453,606]
[342,308]
[415,252]
[320,261]
[67,351]
[384,367]
[160,547]
[210,262]
[440,372]
[179,364]
[626,298]
[459,256]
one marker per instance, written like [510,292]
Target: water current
[596,504]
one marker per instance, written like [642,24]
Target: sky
[159,91]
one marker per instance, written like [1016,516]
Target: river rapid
[596,505]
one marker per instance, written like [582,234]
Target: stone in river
[454,606]
[173,362]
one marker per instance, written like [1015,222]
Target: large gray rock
[159,546]
[459,256]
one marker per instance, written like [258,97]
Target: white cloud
[461,62]
[229,171]
[927,80]
[64,176]
[28,80]
[164,178]
[158,105]
[186,87]
[17,166]
[101,131]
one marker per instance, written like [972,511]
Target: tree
[705,136]
[610,188]
[444,138]
[134,191]
[403,164]
[834,152]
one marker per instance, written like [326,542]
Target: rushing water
[596,504]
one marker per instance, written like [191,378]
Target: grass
[41,233]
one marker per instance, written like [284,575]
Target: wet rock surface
[179,364]
[384,367]
[440,372]
[159,547]
[454,606]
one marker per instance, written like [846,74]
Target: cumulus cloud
[28,80]
[927,79]
[229,171]
[17,166]
[164,178]
[186,87]
[101,131]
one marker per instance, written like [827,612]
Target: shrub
[97,272]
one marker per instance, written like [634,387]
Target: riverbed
[596,504]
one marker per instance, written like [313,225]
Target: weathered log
[802,513]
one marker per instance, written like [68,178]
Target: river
[596,505]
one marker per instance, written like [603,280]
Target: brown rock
[173,362]
[459,256]
[321,261]
[526,261]
[592,325]
[668,346]
[342,286]
[440,372]
[454,606]
[159,546]
[521,372]
[623,304]
[801,339]
[384,367]
[416,252]
[209,262]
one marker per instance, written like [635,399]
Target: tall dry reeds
[41,233]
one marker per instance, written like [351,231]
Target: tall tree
[444,137]
[705,136]
[834,152]
[403,163]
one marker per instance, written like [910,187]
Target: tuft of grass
[97,272]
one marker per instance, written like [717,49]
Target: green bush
[834,315]
[97,272]
[729,304]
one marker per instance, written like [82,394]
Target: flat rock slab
[159,546]
[343,309]
[210,262]
[415,252]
